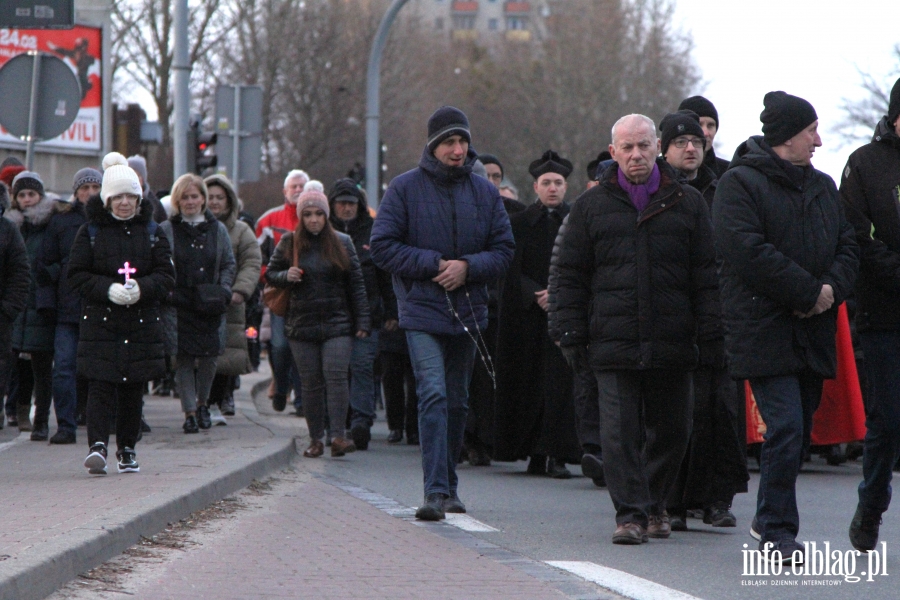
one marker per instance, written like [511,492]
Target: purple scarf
[640,192]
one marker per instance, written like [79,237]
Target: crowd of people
[615,331]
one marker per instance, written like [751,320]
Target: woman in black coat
[204,273]
[121,265]
[328,305]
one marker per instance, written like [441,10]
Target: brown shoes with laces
[340,447]
[659,526]
[629,534]
[315,450]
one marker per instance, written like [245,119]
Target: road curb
[40,572]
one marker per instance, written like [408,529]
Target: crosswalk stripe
[632,586]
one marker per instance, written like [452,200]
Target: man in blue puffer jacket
[443,234]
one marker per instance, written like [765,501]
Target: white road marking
[22,437]
[467,523]
[620,582]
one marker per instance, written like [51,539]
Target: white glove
[133,290]
[118,294]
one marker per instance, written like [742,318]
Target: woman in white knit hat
[205,269]
[121,265]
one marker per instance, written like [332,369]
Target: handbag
[278,298]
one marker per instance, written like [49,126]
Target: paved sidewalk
[58,521]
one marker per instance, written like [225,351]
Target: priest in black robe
[535,415]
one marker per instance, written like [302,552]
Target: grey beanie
[139,164]
[85,176]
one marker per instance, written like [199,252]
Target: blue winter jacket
[438,212]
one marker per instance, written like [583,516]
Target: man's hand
[237,298]
[391,325]
[541,298]
[825,301]
[452,274]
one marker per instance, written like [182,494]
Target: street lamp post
[373,103]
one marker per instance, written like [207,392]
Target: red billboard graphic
[80,48]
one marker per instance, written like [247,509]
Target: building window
[463,21]
[516,23]
[493,25]
[439,23]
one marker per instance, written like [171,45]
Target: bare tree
[860,116]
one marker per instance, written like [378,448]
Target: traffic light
[204,151]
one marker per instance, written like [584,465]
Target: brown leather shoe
[315,450]
[629,534]
[340,447]
[659,526]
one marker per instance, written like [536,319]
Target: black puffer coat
[870,189]
[120,343]
[782,234]
[204,273]
[328,302]
[53,289]
[380,291]
[14,273]
[639,288]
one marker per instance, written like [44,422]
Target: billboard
[80,49]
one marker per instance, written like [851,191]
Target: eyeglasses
[682,142]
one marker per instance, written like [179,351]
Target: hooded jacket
[33,330]
[382,303]
[438,212]
[870,189]
[236,360]
[14,273]
[640,288]
[120,343]
[782,235]
[53,290]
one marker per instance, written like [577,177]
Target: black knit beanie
[701,106]
[677,124]
[345,188]
[894,106]
[445,122]
[784,116]
[27,180]
[490,159]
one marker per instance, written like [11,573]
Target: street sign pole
[32,109]
[236,139]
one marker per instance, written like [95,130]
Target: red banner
[841,417]
[80,48]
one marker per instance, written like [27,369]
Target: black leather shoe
[63,436]
[279,401]
[40,433]
[718,515]
[361,437]
[454,505]
[678,520]
[204,421]
[144,427]
[537,465]
[432,509]
[864,529]
[395,436]
[190,425]
[556,468]
[592,466]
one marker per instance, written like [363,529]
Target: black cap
[593,172]
[445,122]
[784,116]
[894,106]
[490,159]
[701,106]
[676,124]
[550,162]
[345,190]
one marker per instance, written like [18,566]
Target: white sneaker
[96,460]
[216,416]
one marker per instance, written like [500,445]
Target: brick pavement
[308,539]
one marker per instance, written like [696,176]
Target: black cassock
[535,410]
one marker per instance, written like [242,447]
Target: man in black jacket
[350,215]
[15,278]
[715,466]
[637,283]
[870,188]
[709,121]
[789,260]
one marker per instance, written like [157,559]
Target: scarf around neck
[640,192]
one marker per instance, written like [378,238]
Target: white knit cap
[118,178]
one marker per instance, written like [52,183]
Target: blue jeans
[65,388]
[362,381]
[443,368]
[882,444]
[284,371]
[787,404]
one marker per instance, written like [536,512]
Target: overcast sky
[807,48]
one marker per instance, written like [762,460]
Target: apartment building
[484,20]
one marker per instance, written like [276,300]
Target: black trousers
[587,404]
[35,376]
[126,399]
[645,420]
[400,400]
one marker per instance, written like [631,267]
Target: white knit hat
[118,178]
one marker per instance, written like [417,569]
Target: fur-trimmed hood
[36,215]
[234,204]
[97,213]
[4,198]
